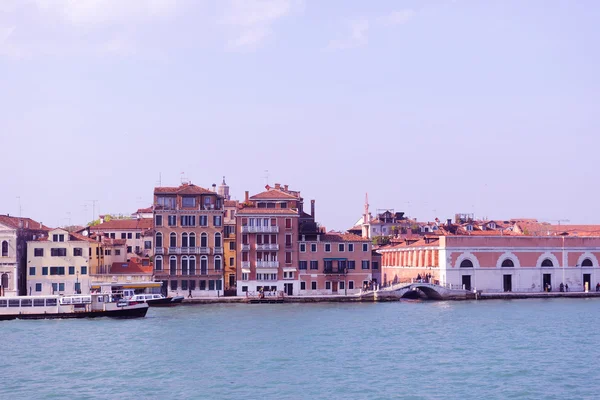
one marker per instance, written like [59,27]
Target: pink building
[334,263]
[495,262]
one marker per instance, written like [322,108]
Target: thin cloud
[397,17]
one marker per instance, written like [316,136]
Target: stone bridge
[418,290]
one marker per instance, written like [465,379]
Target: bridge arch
[430,292]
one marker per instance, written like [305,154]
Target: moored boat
[74,306]
[157,300]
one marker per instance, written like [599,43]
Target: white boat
[156,300]
[73,306]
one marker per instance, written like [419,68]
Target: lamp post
[345,281]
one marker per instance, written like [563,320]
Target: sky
[431,107]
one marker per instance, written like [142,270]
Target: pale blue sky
[432,107]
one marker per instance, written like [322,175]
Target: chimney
[285,187]
[277,186]
[246,197]
[449,222]
[214,186]
[312,208]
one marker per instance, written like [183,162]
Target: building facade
[188,241]
[59,264]
[230,248]
[130,230]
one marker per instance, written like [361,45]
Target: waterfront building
[497,261]
[188,241]
[333,263]
[130,230]
[267,230]
[59,263]
[136,270]
[229,235]
[14,234]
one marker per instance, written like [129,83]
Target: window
[244,288]
[123,235]
[327,247]
[37,252]
[172,220]
[211,284]
[288,275]
[351,264]
[203,240]
[302,247]
[203,265]
[508,263]
[351,285]
[466,264]
[188,220]
[313,285]
[184,265]
[365,246]
[302,285]
[129,235]
[138,235]
[184,285]
[107,252]
[5,248]
[58,252]
[219,284]
[173,265]
[184,240]
[341,285]
[117,252]
[302,265]
[314,264]
[217,263]
[57,238]
[231,262]
[203,220]
[218,243]
[38,287]
[341,247]
[172,240]
[173,285]
[83,270]
[288,257]
[158,220]
[350,246]
[192,240]
[313,247]
[129,249]
[328,265]
[71,270]
[288,222]
[158,241]
[77,252]
[188,201]
[158,263]
[147,245]
[166,202]
[217,220]
[547,263]
[44,270]
[57,270]
[231,245]
[192,265]
[328,285]
[365,264]
[587,263]
[31,271]
[112,235]
[244,276]
[375,264]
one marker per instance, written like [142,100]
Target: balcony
[267,264]
[159,250]
[203,250]
[245,247]
[218,250]
[246,264]
[260,229]
[174,250]
[187,250]
[272,246]
[334,271]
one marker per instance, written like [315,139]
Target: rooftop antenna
[183,178]
[159,179]
[93,209]
[266,177]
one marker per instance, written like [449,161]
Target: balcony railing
[260,229]
[218,250]
[272,246]
[159,250]
[174,250]
[245,264]
[245,247]
[187,250]
[334,271]
[267,264]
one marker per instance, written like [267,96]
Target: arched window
[4,248]
[192,265]
[184,265]
[547,263]
[158,263]
[203,240]
[173,240]
[184,240]
[587,263]
[158,241]
[4,281]
[218,240]
[192,240]
[204,265]
[218,262]
[173,265]
[466,264]
[508,263]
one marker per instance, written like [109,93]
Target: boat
[73,306]
[157,300]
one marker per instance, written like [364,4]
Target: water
[520,349]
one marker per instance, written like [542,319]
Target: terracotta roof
[274,194]
[124,224]
[266,211]
[13,222]
[133,267]
[183,189]
[231,203]
[342,237]
[72,237]
[144,210]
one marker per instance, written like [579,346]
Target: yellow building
[230,250]
[59,263]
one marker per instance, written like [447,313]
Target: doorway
[466,282]
[587,278]
[288,288]
[507,284]
[231,280]
[546,281]
[334,287]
